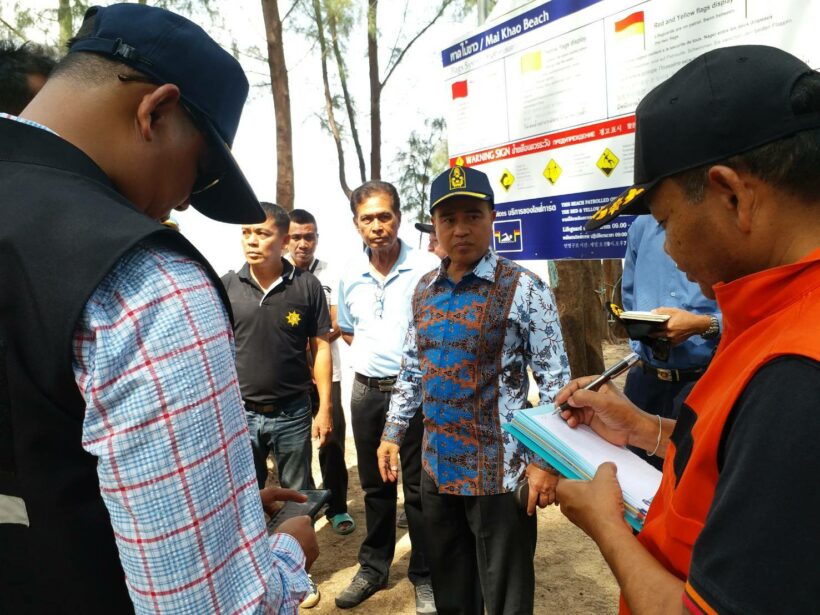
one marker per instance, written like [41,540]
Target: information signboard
[543,101]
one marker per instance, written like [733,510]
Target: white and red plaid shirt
[154,359]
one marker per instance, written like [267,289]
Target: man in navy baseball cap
[461,181]
[481,315]
[702,115]
[124,449]
[726,157]
[165,48]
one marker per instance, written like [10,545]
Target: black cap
[461,181]
[424,228]
[723,103]
[171,49]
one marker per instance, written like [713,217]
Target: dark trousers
[486,537]
[656,396]
[368,410]
[332,455]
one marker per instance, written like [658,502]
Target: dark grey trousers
[368,411]
[480,550]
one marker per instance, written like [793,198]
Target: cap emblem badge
[457,178]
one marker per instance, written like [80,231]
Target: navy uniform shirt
[272,329]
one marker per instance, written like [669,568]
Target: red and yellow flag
[631,25]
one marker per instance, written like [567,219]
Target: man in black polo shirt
[279,310]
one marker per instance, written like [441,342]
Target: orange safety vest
[768,314]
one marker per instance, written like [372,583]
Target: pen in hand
[613,372]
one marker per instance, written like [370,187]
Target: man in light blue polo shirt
[373,314]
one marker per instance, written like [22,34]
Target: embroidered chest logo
[293,318]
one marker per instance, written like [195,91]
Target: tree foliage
[331,24]
[422,158]
[37,24]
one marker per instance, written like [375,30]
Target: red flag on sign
[459,89]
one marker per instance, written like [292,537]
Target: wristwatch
[713,330]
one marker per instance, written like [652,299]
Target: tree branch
[342,70]
[331,119]
[398,60]
[395,45]
[13,29]
[290,10]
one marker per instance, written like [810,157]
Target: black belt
[385,384]
[672,375]
[275,407]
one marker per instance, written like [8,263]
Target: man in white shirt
[304,237]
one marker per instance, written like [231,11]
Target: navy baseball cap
[723,103]
[169,48]
[461,181]
[424,228]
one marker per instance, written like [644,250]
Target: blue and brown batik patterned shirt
[465,362]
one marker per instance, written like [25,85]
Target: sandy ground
[571,576]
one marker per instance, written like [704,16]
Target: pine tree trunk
[285,191]
[65,21]
[375,91]
[582,320]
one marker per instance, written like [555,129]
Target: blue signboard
[553,228]
[528,21]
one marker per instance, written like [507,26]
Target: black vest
[62,229]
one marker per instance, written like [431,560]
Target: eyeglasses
[207,174]
[378,303]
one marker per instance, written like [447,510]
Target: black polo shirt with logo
[272,331]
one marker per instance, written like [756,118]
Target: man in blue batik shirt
[652,281]
[478,322]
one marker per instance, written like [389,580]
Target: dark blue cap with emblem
[168,48]
[461,181]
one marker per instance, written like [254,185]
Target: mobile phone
[317,498]
[522,493]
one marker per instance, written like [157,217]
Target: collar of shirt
[22,120]
[484,268]
[403,263]
[45,148]
[314,264]
[288,271]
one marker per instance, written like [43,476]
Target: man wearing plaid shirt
[126,479]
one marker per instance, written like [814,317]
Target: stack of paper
[577,453]
[644,316]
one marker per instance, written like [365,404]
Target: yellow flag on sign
[531,62]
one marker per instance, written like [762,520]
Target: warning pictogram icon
[607,162]
[552,171]
[507,180]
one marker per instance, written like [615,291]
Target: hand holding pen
[613,372]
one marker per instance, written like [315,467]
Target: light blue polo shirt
[378,314]
[652,280]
